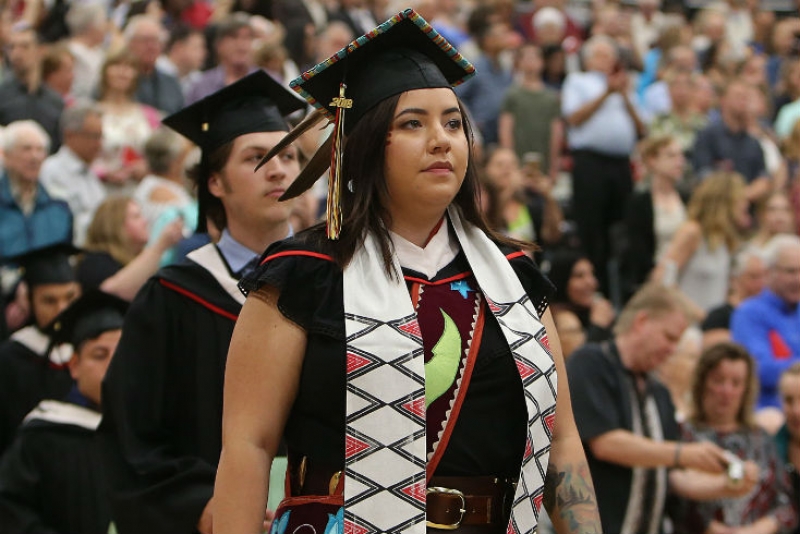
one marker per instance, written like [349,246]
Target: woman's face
[136,226]
[789,387]
[426,153]
[669,162]
[120,77]
[724,390]
[582,283]
[503,169]
[777,216]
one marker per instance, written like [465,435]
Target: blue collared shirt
[763,324]
[611,130]
[237,255]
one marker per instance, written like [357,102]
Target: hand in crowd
[748,482]
[618,81]
[170,235]
[602,312]
[704,456]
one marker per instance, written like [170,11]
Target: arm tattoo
[570,499]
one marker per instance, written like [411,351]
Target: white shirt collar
[437,254]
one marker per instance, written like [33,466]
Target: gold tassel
[334,211]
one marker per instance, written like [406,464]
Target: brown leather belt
[482,503]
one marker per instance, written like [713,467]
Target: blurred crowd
[637,143]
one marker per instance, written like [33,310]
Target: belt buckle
[462,510]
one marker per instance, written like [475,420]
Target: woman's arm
[681,248]
[569,495]
[261,381]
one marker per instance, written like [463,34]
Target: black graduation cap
[256,103]
[402,54]
[47,265]
[94,313]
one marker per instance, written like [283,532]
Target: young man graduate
[31,367]
[162,398]
[51,478]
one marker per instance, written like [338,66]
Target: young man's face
[90,362]
[48,300]
[251,199]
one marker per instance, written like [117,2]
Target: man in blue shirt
[768,324]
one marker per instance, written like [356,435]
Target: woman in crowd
[410,222]
[723,398]
[788,437]
[127,124]
[698,258]
[572,273]
[117,259]
[774,216]
[654,213]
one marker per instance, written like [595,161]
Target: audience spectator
[723,397]
[656,98]
[789,113]
[787,439]
[529,119]
[356,14]
[758,126]
[58,71]
[768,324]
[603,128]
[773,217]
[653,213]
[570,330]
[683,120]
[23,96]
[783,48]
[697,260]
[726,145]
[127,124]
[233,42]
[626,418]
[39,488]
[554,71]
[117,259]
[748,276]
[144,39]
[576,290]
[31,218]
[88,28]
[572,30]
[31,369]
[184,55]
[646,26]
[68,174]
[677,370]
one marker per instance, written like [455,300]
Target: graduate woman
[402,348]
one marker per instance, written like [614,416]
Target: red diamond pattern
[353,446]
[352,528]
[492,306]
[356,362]
[411,327]
[537,501]
[416,407]
[528,448]
[545,342]
[416,491]
[550,421]
[525,370]
[510,528]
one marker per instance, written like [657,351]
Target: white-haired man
[145,37]
[87,24]
[768,324]
[30,217]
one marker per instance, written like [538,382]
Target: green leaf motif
[440,371]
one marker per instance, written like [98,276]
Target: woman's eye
[412,123]
[454,124]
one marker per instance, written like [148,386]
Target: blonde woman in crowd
[117,259]
[697,260]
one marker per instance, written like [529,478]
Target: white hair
[775,247]
[132,28]
[549,15]
[15,129]
[588,47]
[743,257]
[82,17]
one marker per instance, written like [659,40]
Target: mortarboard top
[88,317]
[402,54]
[256,103]
[47,265]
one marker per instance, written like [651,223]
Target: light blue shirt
[611,130]
[236,254]
[787,116]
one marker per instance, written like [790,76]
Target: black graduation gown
[51,479]
[27,376]
[162,399]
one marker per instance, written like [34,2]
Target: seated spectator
[144,39]
[787,439]
[117,260]
[127,124]
[654,212]
[31,369]
[758,115]
[58,71]
[773,217]
[576,290]
[570,330]
[789,113]
[184,55]
[768,324]
[748,276]
[30,217]
[68,174]
[724,391]
[51,478]
[23,96]
[88,23]
[697,260]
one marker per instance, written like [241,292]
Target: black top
[52,482]
[95,268]
[719,148]
[162,401]
[489,437]
[43,105]
[719,317]
[600,389]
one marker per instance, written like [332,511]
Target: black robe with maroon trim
[27,376]
[162,400]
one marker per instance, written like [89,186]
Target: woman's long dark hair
[365,209]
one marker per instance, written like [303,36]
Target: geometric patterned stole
[385,448]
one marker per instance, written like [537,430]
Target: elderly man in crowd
[145,38]
[87,24]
